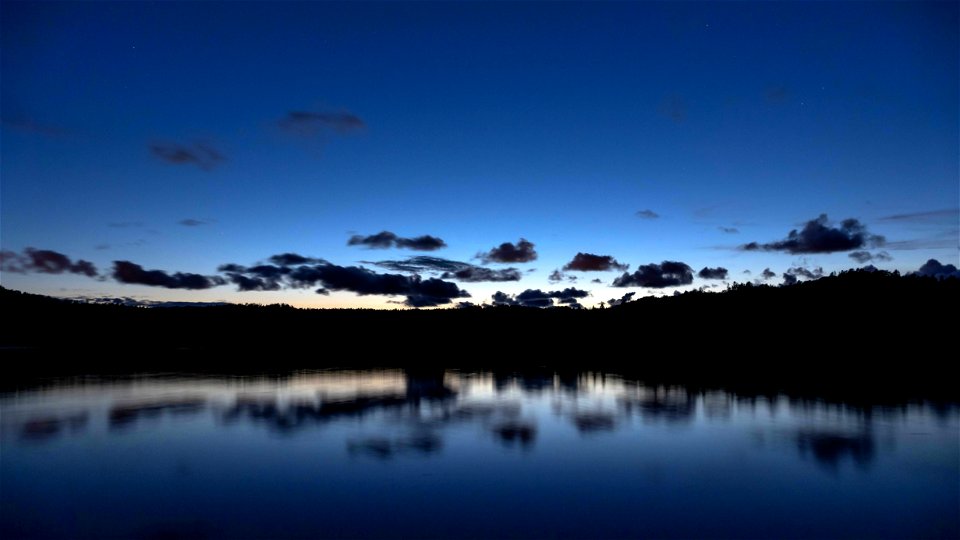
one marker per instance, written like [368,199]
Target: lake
[457,454]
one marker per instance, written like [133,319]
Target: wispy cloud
[477,274]
[865,256]
[948,240]
[448,269]
[321,123]
[647,214]
[28,125]
[191,222]
[951,214]
[199,154]
[674,108]
[777,94]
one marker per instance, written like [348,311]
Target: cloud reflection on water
[408,413]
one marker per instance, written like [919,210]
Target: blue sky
[478,123]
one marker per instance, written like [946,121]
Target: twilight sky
[679,139]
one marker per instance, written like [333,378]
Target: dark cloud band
[817,236]
[657,276]
[588,262]
[387,239]
[540,299]
[44,261]
[131,273]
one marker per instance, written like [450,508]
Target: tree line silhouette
[858,327]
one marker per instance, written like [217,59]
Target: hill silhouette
[855,329]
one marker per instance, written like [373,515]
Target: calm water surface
[448,454]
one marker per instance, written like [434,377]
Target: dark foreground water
[447,454]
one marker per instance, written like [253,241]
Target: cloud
[421,243]
[713,273]
[729,230]
[941,227]
[569,293]
[288,259]
[387,239]
[479,273]
[263,277]
[657,276]
[534,298]
[588,262]
[597,280]
[946,240]
[248,283]
[130,273]
[800,271]
[28,125]
[135,302]
[865,256]
[674,108]
[793,275]
[190,222]
[556,276]
[521,252]
[425,300]
[44,261]
[328,277]
[930,215]
[448,269]
[778,94]
[622,300]
[706,211]
[381,240]
[105,246]
[320,124]
[647,214]
[200,154]
[540,299]
[933,268]
[768,274]
[421,264]
[818,237]
[503,299]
